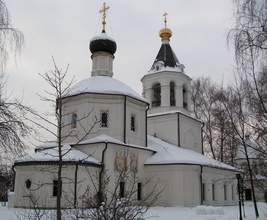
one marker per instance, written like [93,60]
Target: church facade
[148,135]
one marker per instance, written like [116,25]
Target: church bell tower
[166,86]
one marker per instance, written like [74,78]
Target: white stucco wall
[225,186]
[182,185]
[40,194]
[82,105]
[177,129]
[164,127]
[190,133]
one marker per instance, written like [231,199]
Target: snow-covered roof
[171,154]
[45,145]
[101,138]
[69,154]
[106,138]
[102,36]
[103,85]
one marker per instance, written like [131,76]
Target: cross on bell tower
[165,18]
[103,12]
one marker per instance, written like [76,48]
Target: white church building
[150,135]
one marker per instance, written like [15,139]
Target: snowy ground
[176,213]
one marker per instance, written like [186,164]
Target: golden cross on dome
[165,18]
[103,10]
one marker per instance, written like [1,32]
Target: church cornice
[49,163]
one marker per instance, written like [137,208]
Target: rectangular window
[203,191]
[213,192]
[104,118]
[225,192]
[248,195]
[122,188]
[139,191]
[133,123]
[233,192]
[55,187]
[74,121]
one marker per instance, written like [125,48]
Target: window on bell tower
[172,94]
[104,118]
[185,98]
[133,123]
[156,95]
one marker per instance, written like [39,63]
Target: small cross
[103,10]
[165,18]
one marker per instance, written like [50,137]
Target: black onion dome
[104,43]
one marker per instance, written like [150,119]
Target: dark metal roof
[167,56]
[104,43]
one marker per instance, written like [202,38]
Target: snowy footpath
[177,213]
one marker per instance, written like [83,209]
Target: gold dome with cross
[165,33]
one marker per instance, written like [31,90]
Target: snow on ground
[181,213]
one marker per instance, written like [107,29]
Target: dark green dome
[104,43]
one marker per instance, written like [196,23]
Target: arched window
[185,101]
[28,184]
[172,94]
[73,121]
[104,118]
[156,95]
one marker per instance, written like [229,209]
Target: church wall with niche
[190,133]
[157,127]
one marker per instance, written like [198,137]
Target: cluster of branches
[249,37]
[107,199]
[6,182]
[220,140]
[11,39]
[240,108]
[120,201]
[12,111]
[12,126]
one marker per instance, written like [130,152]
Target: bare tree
[6,180]
[234,104]
[12,126]
[249,37]
[11,39]
[126,200]
[58,97]
[219,138]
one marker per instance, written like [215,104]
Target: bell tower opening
[156,95]
[172,94]
[185,96]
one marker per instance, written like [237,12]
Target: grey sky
[63,29]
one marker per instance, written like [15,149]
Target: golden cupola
[165,33]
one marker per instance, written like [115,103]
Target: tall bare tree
[249,37]
[11,39]
[219,138]
[52,122]
[234,101]
[12,126]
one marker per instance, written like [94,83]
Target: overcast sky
[63,29]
